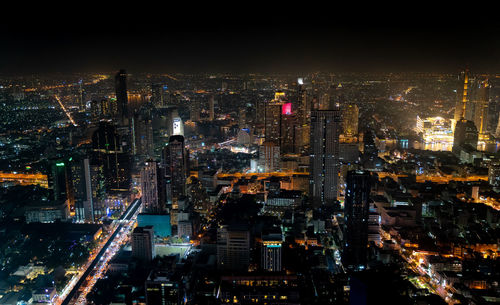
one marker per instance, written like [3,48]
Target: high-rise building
[494,173]
[88,185]
[324,157]
[233,247]
[481,104]
[269,157]
[272,118]
[356,216]
[162,288]
[289,130]
[153,188]
[462,108]
[350,116]
[211,108]
[465,134]
[143,243]
[175,162]
[58,180]
[122,97]
[108,152]
[143,134]
[271,251]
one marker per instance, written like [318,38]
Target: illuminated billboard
[286,109]
[177,126]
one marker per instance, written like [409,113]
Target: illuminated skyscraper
[175,161]
[272,117]
[89,192]
[464,92]
[271,251]
[122,97]
[107,151]
[324,158]
[289,130]
[58,179]
[153,188]
[269,157]
[356,214]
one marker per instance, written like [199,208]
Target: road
[83,284]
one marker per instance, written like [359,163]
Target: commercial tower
[481,107]
[465,134]
[58,180]
[122,97]
[175,162]
[462,108]
[233,247]
[143,243]
[324,157]
[153,188]
[356,214]
[88,185]
[271,251]
[107,150]
[162,288]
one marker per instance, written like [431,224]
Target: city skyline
[184,157]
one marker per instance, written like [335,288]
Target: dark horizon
[230,44]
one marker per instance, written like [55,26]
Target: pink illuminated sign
[286,109]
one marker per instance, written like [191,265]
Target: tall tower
[463,97]
[324,158]
[153,192]
[211,108]
[356,214]
[175,161]
[465,134]
[272,118]
[58,179]
[481,107]
[88,185]
[122,97]
[143,243]
[233,247]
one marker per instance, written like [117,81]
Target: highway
[120,224]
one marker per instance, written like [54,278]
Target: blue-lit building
[161,223]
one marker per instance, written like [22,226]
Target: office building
[356,218]
[481,104]
[122,97]
[108,152]
[142,241]
[89,190]
[271,251]
[162,289]
[324,156]
[465,134]
[153,188]
[174,159]
[269,157]
[233,247]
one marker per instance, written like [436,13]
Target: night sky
[174,39]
